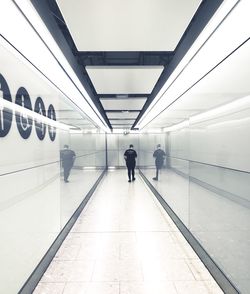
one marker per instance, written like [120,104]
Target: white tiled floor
[125,243]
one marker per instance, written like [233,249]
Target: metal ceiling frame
[50,13]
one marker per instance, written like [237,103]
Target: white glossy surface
[132,103]
[219,140]
[174,189]
[234,182]
[72,193]
[144,144]
[29,199]
[124,79]
[115,247]
[89,148]
[125,26]
[218,221]
[31,216]
[232,147]
[122,115]
[34,202]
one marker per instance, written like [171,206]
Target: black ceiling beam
[122,110]
[121,58]
[122,118]
[122,96]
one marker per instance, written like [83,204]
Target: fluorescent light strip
[235,106]
[36,51]
[229,108]
[176,127]
[170,91]
[230,123]
[29,113]
[153,131]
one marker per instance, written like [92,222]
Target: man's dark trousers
[131,169]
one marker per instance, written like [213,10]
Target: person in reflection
[159,156]
[67,159]
[130,156]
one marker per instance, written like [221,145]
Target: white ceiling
[131,25]
[122,115]
[121,121]
[128,104]
[124,80]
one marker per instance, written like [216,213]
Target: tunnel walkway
[124,242]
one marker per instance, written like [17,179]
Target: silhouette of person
[67,158]
[159,155]
[130,156]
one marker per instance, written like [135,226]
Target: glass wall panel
[117,144]
[207,182]
[89,163]
[36,121]
[173,176]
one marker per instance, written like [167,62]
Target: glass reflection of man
[67,158]
[159,156]
[130,156]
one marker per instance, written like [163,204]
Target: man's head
[158,146]
[66,146]
[131,146]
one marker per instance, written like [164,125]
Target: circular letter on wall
[5,112]
[40,125]
[52,129]
[24,122]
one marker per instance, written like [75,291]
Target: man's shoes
[66,181]
[129,181]
[155,179]
[133,179]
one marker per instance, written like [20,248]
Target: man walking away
[67,158]
[159,155]
[130,156]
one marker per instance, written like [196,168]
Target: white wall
[90,149]
[144,144]
[29,181]
[213,149]
[35,203]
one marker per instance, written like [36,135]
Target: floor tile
[125,243]
[198,287]
[49,288]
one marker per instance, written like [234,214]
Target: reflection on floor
[124,242]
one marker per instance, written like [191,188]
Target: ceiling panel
[131,25]
[121,127]
[123,115]
[127,104]
[122,121]
[124,80]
